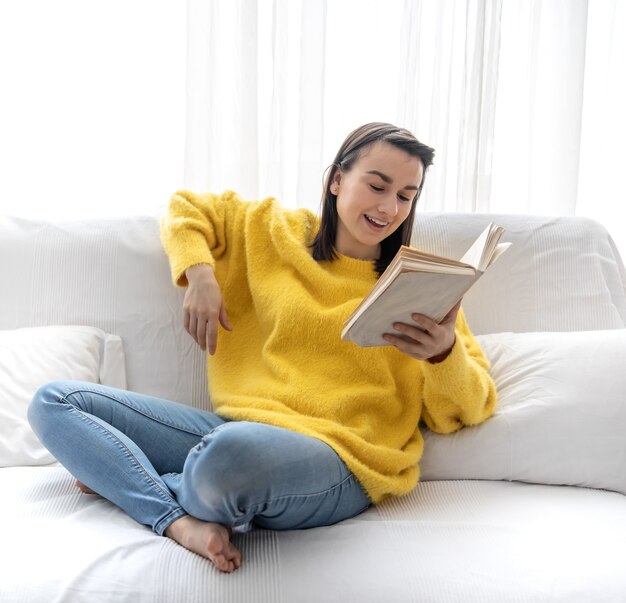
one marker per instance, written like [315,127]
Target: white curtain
[274,86]
[601,189]
[522,99]
[92,106]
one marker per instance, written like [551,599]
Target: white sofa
[530,506]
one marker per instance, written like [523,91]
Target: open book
[422,283]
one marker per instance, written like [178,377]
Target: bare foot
[84,488]
[211,540]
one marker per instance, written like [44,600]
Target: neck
[357,252]
[361,254]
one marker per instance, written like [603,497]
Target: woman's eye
[378,189]
[405,199]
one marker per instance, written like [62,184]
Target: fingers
[201,332]
[204,329]
[451,316]
[211,335]
[413,347]
[195,327]
[212,329]
[224,319]
[423,333]
[425,339]
[203,308]
[402,345]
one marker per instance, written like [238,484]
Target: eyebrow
[389,180]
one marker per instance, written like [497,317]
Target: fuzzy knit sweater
[284,363]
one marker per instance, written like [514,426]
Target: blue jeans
[160,460]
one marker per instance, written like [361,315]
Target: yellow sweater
[284,363]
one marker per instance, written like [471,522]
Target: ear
[335,182]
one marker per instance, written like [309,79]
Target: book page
[418,257]
[474,254]
[419,282]
[425,293]
[381,287]
[498,251]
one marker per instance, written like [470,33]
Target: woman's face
[374,198]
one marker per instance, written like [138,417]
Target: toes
[227,561]
[216,541]
[235,556]
[84,488]
[209,540]
[223,564]
[219,561]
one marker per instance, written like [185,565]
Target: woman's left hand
[428,340]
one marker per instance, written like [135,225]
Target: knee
[227,462]
[44,401]
[46,394]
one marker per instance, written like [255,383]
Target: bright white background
[107,107]
[92,108]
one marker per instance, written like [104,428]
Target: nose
[389,205]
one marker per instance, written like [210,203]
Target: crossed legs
[188,473]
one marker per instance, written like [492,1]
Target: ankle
[177,529]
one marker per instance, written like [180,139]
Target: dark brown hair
[352,148]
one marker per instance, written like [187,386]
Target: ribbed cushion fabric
[446,542]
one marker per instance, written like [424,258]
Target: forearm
[458,391]
[191,230]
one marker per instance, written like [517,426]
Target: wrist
[198,270]
[441,357]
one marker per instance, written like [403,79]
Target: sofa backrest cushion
[110,274]
[561,274]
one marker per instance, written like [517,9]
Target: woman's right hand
[203,307]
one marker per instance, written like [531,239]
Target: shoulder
[296,225]
[228,201]
[257,219]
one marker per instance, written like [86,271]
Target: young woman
[307,430]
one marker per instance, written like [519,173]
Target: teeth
[378,222]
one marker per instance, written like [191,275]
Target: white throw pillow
[561,415]
[31,357]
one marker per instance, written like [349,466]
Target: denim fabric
[159,460]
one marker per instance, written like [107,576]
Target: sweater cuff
[448,370]
[192,250]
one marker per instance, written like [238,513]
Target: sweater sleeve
[194,229]
[459,390]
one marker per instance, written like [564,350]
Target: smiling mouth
[375,222]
